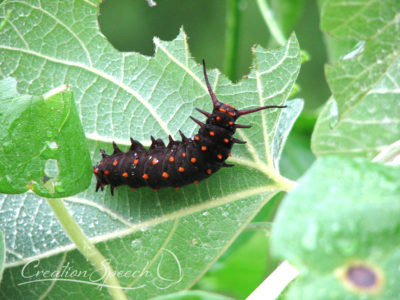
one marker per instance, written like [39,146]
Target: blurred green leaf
[166,239]
[192,295]
[376,24]
[362,116]
[2,254]
[42,143]
[339,222]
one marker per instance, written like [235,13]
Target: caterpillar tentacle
[180,162]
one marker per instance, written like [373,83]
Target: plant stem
[389,155]
[275,283]
[231,38]
[87,248]
[270,21]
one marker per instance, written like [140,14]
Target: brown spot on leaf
[362,276]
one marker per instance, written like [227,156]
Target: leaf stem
[231,38]
[390,155]
[282,182]
[270,21]
[275,283]
[87,248]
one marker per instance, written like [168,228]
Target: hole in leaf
[51,169]
[53,145]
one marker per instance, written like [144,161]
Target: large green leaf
[362,117]
[340,222]
[42,144]
[168,238]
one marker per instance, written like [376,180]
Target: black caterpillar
[180,162]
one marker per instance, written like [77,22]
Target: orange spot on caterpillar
[197,138]
[125,174]
[229,154]
[155,161]
[212,133]
[145,176]
[155,190]
[203,148]
[196,182]
[218,118]
[165,175]
[181,169]
[136,161]
[231,113]
[132,189]
[96,171]
[230,123]
[229,105]
[115,162]
[106,172]
[222,110]
[226,140]
[209,171]
[171,159]
[184,154]
[177,188]
[193,159]
[219,156]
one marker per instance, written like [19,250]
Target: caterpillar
[190,160]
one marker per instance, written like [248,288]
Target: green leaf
[167,240]
[2,254]
[42,144]
[362,117]
[342,217]
[376,24]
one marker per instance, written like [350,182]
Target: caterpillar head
[225,114]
